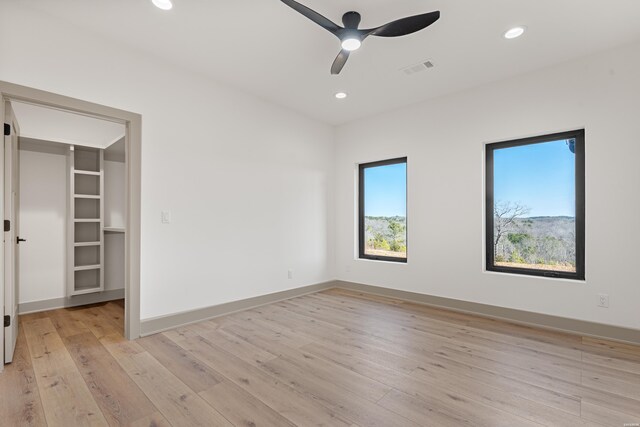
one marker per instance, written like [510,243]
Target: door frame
[133,150]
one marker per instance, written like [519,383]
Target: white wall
[443,139]
[114,212]
[248,183]
[43,216]
[113,261]
[114,193]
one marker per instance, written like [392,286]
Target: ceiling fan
[351,37]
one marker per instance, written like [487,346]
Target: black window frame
[361,208]
[579,151]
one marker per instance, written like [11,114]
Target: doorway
[88,272]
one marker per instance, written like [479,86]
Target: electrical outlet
[290,274]
[165,217]
[603,300]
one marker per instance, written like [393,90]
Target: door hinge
[7,129]
[7,321]
[7,225]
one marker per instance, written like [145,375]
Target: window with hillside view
[535,206]
[383,210]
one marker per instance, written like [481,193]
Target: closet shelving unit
[85,256]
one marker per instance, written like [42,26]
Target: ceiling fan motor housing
[351,20]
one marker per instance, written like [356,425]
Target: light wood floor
[335,358]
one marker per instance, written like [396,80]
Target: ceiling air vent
[417,68]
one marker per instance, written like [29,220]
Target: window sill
[382,261]
[530,276]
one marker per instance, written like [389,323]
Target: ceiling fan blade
[404,26]
[339,62]
[325,23]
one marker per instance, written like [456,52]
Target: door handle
[18,240]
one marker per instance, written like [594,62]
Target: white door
[11,234]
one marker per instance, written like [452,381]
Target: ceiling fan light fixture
[340,95]
[350,44]
[515,32]
[163,4]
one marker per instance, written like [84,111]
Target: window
[383,210]
[535,206]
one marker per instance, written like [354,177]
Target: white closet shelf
[114,229]
[86,196]
[81,244]
[87,290]
[83,172]
[87,267]
[86,220]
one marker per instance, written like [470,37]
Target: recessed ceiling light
[341,95]
[163,4]
[351,44]
[514,32]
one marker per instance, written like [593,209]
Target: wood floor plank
[174,399]
[119,346]
[67,325]
[239,347]
[454,404]
[565,370]
[339,338]
[277,395]
[622,362]
[114,313]
[34,316]
[602,379]
[568,403]
[359,410]
[497,397]
[518,373]
[615,402]
[65,396]
[96,321]
[20,404]
[190,370]
[412,345]
[241,408]
[251,321]
[316,367]
[606,416]
[119,398]
[154,420]
[425,412]
[437,395]
[613,346]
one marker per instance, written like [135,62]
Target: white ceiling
[266,48]
[47,124]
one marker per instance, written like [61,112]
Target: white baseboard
[543,321]
[64,302]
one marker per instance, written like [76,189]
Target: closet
[89,223]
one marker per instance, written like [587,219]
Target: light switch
[165,217]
